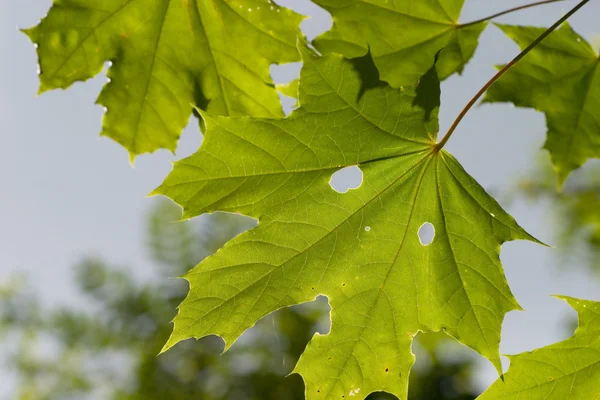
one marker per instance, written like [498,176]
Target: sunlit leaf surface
[167,56]
[360,248]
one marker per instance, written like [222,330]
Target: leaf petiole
[493,80]
[501,13]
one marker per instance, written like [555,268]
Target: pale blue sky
[67,193]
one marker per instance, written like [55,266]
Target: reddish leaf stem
[501,13]
[522,54]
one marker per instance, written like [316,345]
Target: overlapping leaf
[569,370]
[167,55]
[561,78]
[403,35]
[360,249]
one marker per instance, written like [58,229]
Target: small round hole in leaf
[426,233]
[345,179]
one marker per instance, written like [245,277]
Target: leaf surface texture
[361,249]
[167,55]
[402,35]
[569,370]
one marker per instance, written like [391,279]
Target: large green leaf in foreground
[402,35]
[569,370]
[361,249]
[561,78]
[167,56]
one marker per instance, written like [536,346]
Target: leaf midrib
[293,171]
[391,266]
[144,99]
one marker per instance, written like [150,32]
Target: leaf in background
[402,35]
[167,55]
[361,249]
[561,78]
[289,89]
[569,370]
[575,211]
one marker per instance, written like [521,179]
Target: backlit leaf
[561,78]
[402,35]
[360,248]
[569,370]
[167,55]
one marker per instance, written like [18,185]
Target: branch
[471,103]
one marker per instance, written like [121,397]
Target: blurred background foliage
[107,346]
[575,210]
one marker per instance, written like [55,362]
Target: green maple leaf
[569,370]
[167,55]
[561,78]
[361,249]
[402,35]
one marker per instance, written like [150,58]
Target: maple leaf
[167,55]
[361,249]
[569,370]
[561,78]
[403,35]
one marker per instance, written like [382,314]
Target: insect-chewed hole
[346,179]
[426,233]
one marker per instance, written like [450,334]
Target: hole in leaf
[367,228]
[322,305]
[281,76]
[426,234]
[273,333]
[346,179]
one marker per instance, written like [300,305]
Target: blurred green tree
[107,347]
[576,210]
